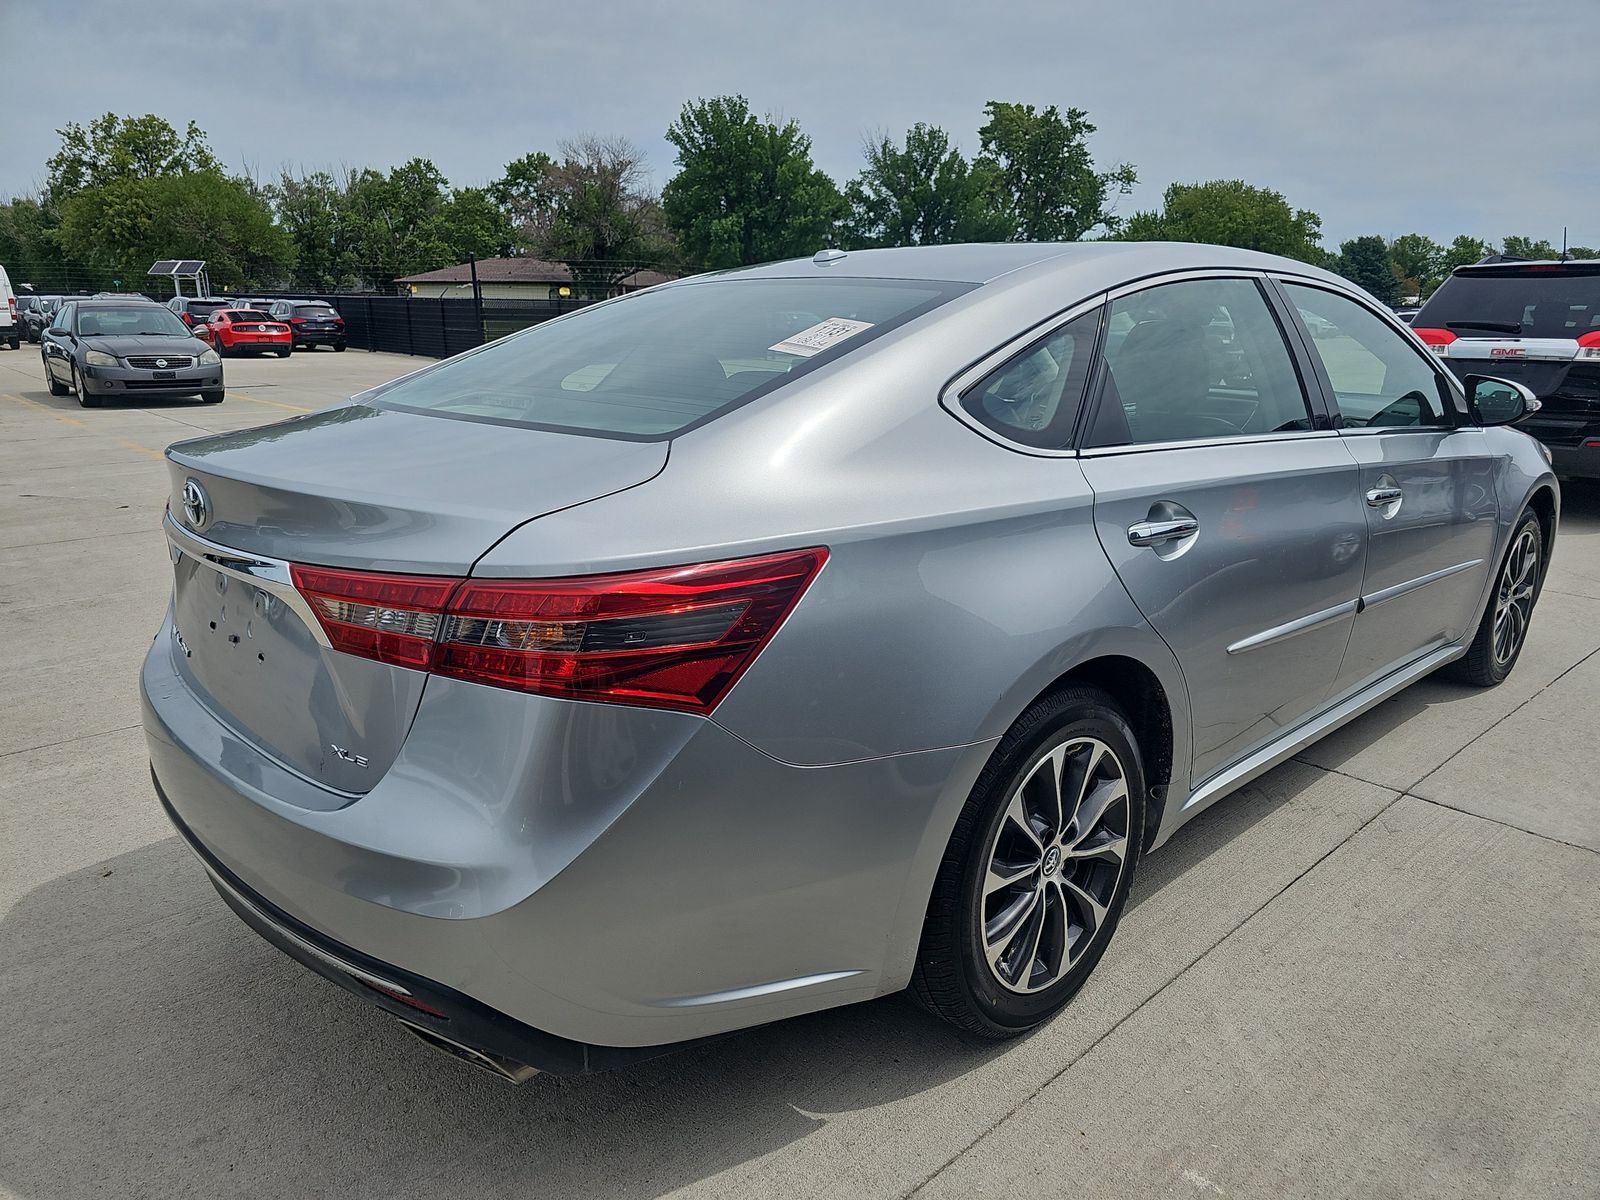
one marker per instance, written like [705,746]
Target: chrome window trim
[1295,435]
[980,369]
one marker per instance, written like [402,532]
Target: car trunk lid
[352,487]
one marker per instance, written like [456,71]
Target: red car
[232,330]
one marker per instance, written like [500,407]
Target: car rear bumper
[319,337]
[595,879]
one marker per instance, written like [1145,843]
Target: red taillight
[1435,337]
[297,320]
[12,301]
[677,637]
[392,618]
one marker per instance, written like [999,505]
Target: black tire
[339,347]
[213,397]
[284,353]
[952,977]
[84,399]
[15,342]
[1486,664]
[57,388]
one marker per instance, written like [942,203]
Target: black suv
[1537,323]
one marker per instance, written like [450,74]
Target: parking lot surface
[1373,972]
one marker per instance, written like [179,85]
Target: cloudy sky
[1466,116]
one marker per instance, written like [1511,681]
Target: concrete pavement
[1370,973]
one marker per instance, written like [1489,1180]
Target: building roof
[522,270]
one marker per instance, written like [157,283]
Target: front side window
[1034,398]
[1203,358]
[658,362]
[1379,379]
[64,317]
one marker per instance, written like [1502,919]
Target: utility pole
[477,295]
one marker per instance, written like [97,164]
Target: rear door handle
[1381,496]
[1154,533]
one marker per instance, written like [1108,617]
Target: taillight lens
[1438,339]
[677,637]
[390,618]
[1589,345]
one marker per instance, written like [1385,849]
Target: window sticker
[820,336]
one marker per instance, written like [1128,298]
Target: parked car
[109,349]
[1537,323]
[194,310]
[777,639]
[30,315]
[314,322]
[10,322]
[1406,313]
[235,330]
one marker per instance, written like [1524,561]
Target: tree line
[123,192]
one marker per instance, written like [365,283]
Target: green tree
[1463,252]
[1417,261]
[1365,261]
[746,190]
[310,210]
[523,192]
[1523,247]
[1045,173]
[113,148]
[1230,212]
[592,211]
[923,193]
[1582,252]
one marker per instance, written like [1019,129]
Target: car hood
[160,344]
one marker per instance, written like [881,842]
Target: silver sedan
[774,640]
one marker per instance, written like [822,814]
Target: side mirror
[1493,401]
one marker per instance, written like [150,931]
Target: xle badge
[360,760]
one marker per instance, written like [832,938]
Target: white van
[10,322]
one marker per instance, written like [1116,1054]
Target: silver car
[774,640]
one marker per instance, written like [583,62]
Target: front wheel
[1504,628]
[213,397]
[57,388]
[84,399]
[1037,870]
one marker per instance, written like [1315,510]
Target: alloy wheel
[1054,864]
[1513,605]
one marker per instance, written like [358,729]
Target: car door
[57,347]
[1232,514]
[1428,484]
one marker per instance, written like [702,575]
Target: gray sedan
[778,639]
[135,349]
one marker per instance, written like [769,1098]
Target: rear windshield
[659,362]
[130,321]
[247,314]
[1540,302]
[196,307]
[314,310]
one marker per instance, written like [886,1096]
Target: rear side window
[662,361]
[1035,397]
[1199,359]
[1379,378]
[1537,301]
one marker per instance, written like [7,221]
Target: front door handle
[1154,533]
[1381,497]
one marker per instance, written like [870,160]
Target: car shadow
[155,1046]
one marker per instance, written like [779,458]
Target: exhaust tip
[506,1068]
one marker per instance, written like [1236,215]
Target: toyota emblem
[161,362]
[196,505]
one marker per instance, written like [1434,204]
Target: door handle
[1154,533]
[1380,497]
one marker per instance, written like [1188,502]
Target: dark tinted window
[315,310]
[201,308]
[1539,301]
[1199,359]
[1034,398]
[1379,378]
[247,314]
[660,361]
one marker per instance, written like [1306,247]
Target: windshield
[659,362]
[1546,302]
[133,320]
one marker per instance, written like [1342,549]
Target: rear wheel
[57,388]
[84,399]
[1504,628]
[283,352]
[1037,870]
[14,342]
[339,346]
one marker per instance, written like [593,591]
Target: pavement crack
[98,733]
[1137,1009]
[1467,812]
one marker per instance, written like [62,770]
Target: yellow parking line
[274,403]
[66,420]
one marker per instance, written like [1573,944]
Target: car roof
[1096,264]
[112,302]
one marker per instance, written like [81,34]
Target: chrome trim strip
[1297,739]
[1289,629]
[271,575]
[300,943]
[756,990]
[1199,443]
[1411,585]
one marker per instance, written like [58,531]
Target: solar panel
[166,266]
[190,266]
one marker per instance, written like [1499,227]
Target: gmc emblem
[1506,352]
